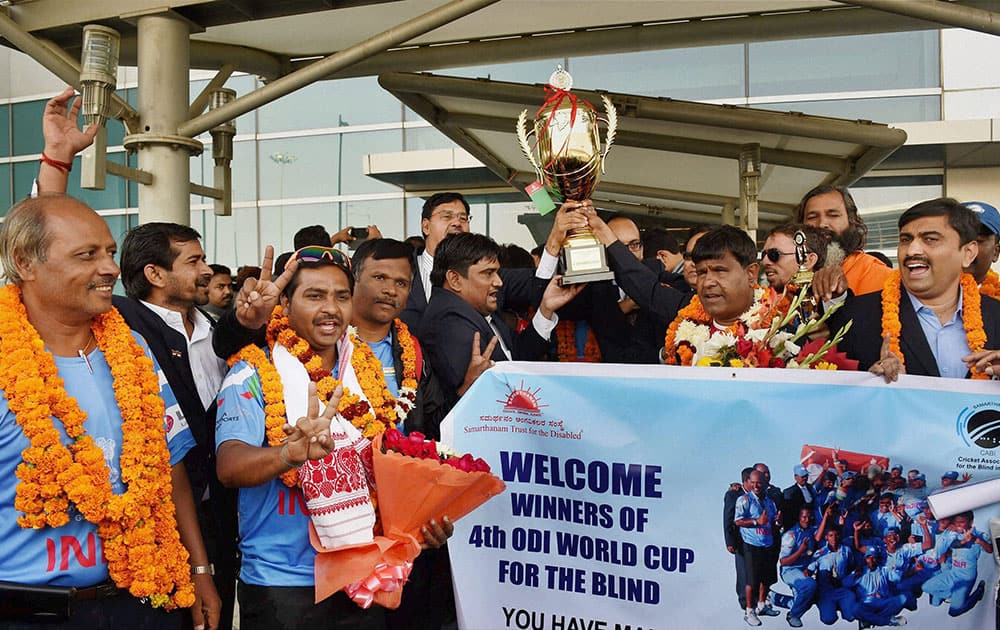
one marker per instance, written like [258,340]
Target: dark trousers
[114,613]
[428,597]
[741,578]
[289,607]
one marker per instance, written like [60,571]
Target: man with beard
[833,208]
[166,283]
[270,424]
[929,320]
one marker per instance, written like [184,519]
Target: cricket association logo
[979,425]
[522,400]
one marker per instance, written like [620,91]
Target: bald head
[25,237]
[627,232]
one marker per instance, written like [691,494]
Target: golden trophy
[570,162]
[803,277]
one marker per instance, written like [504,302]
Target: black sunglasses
[774,254]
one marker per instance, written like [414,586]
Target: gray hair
[24,235]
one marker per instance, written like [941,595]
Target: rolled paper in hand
[964,498]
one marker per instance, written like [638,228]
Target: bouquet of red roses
[417,480]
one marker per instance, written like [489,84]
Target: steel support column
[163,105]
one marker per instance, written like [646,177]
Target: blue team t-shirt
[749,506]
[274,522]
[72,555]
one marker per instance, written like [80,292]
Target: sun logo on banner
[981,427]
[522,400]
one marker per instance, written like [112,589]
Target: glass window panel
[244,171]
[24,177]
[424,138]
[883,61]
[358,145]
[705,73]
[326,104]
[115,188]
[298,167]
[387,214]
[886,110]
[6,201]
[504,227]
[232,240]
[27,127]
[4,131]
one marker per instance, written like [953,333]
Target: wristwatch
[203,569]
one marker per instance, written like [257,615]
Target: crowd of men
[856,544]
[434,320]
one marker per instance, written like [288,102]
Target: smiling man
[167,283]
[777,258]
[930,320]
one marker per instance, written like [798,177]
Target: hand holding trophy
[570,162]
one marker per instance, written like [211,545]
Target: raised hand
[889,366]
[567,218]
[557,296]
[258,297]
[479,362]
[63,137]
[310,437]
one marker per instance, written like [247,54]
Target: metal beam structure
[717,31]
[939,12]
[319,69]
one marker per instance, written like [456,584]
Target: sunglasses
[316,253]
[774,254]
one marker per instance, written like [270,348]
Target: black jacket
[448,326]
[171,351]
[863,341]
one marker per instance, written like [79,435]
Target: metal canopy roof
[671,158]
[272,37]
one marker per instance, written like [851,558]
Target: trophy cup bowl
[569,161]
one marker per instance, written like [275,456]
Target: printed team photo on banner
[615,480]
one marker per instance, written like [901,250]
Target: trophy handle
[522,139]
[612,120]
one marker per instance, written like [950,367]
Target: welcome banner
[613,514]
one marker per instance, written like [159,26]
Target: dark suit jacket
[792,503]
[622,339]
[864,340]
[643,285]
[171,351]
[448,326]
[520,290]
[730,532]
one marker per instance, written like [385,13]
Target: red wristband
[65,167]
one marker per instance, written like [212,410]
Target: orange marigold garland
[407,398]
[566,344]
[972,316]
[991,285]
[138,528]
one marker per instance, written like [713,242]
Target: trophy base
[584,260]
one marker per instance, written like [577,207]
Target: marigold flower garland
[763,310]
[972,316]
[566,344]
[139,530]
[371,419]
[991,285]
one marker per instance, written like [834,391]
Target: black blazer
[643,285]
[863,341]
[171,351]
[520,290]
[621,340]
[448,326]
